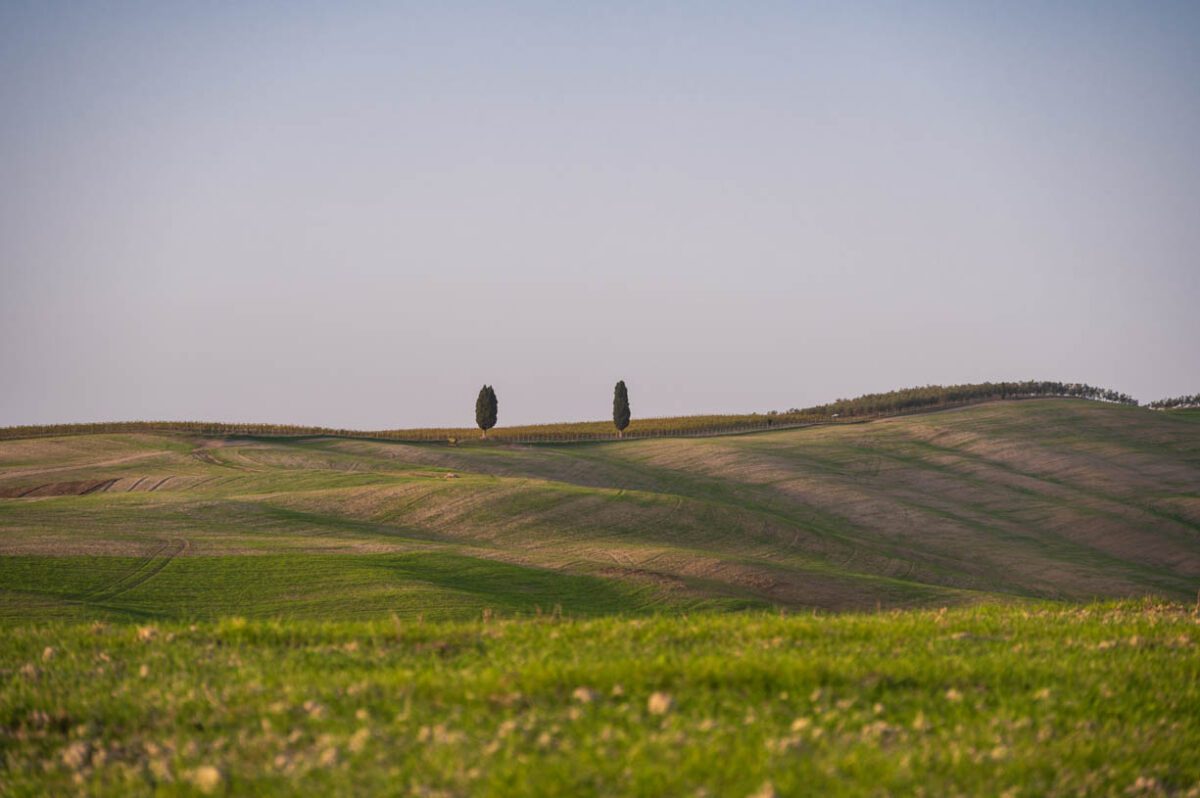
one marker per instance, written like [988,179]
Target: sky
[356,214]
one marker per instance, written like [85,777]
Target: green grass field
[899,606]
[990,700]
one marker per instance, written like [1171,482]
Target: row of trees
[487,408]
[873,404]
[1175,402]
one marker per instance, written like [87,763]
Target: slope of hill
[1038,498]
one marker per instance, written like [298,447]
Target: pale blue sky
[356,214]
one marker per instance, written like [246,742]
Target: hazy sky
[356,214]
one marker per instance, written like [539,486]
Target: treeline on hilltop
[1175,402]
[929,396]
[215,428]
[568,431]
[907,400]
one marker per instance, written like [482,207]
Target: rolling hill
[1043,498]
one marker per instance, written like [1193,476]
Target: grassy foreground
[1102,699]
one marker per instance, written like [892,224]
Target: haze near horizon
[356,216]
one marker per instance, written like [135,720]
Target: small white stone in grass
[144,671]
[767,790]
[47,653]
[800,724]
[1144,784]
[358,740]
[659,703]
[75,755]
[953,695]
[206,779]
[146,633]
[584,695]
[161,770]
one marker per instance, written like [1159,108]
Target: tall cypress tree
[620,408]
[486,408]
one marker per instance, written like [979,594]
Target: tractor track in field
[160,483]
[208,458]
[146,569]
[48,489]
[204,481]
[28,472]
[99,487]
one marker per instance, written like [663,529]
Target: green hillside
[1047,498]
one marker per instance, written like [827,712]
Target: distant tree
[486,408]
[620,408]
[1176,402]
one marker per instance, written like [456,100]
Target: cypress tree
[486,408]
[620,408]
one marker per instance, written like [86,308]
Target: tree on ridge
[486,408]
[620,408]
